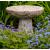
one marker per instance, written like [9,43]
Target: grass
[7,19]
[9,39]
[18,40]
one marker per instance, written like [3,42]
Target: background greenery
[21,40]
[7,20]
[9,39]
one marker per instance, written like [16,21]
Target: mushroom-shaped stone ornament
[25,13]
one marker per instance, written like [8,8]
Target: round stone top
[25,10]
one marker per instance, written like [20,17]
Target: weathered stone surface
[25,10]
[26,25]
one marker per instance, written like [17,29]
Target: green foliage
[4,17]
[9,39]
[17,40]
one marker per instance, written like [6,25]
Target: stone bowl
[22,11]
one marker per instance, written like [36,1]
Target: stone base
[25,25]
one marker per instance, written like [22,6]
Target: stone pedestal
[26,25]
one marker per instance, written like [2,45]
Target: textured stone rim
[25,10]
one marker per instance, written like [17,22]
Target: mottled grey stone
[26,25]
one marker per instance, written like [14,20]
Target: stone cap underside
[25,10]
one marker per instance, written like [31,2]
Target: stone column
[26,25]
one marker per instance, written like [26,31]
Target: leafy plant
[18,40]
[4,17]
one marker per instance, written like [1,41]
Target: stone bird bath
[25,13]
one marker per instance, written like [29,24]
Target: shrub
[9,39]
[21,40]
